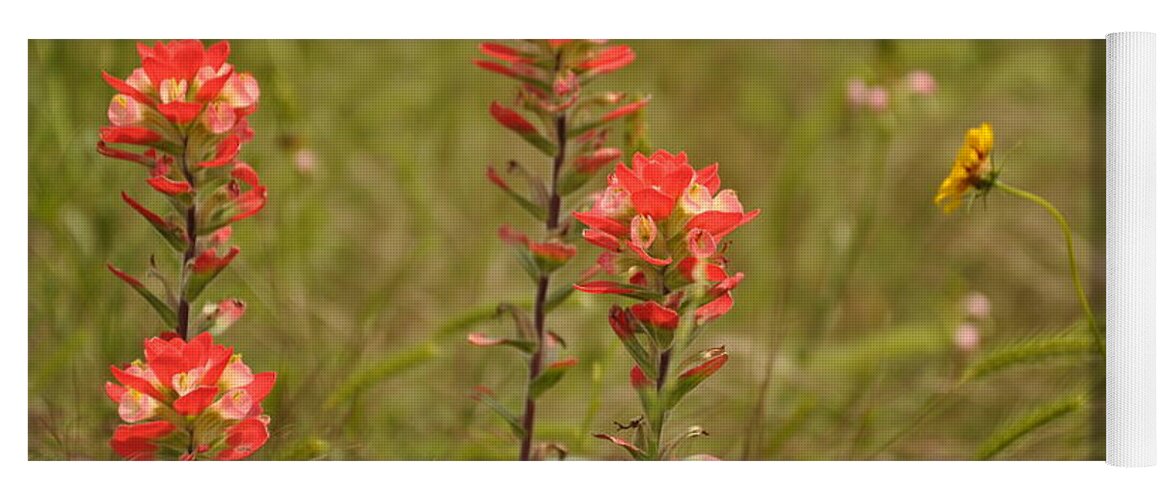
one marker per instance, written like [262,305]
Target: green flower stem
[1077,282]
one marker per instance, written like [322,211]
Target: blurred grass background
[367,269]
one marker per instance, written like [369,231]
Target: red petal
[180,112]
[654,313]
[511,119]
[714,309]
[602,223]
[261,385]
[602,239]
[653,203]
[168,187]
[219,360]
[628,179]
[211,88]
[244,439]
[115,392]
[638,379]
[125,277]
[137,383]
[709,177]
[624,110]
[611,59]
[124,88]
[208,261]
[150,216]
[602,287]
[196,401]
[119,154]
[502,52]
[128,135]
[496,67]
[647,257]
[217,54]
[708,368]
[225,152]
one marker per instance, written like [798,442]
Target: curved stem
[1077,282]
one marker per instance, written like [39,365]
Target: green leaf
[540,142]
[1014,430]
[558,297]
[550,377]
[363,380]
[499,409]
[164,311]
[524,323]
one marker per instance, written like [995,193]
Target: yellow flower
[972,168]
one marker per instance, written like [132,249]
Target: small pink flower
[967,337]
[977,305]
[877,99]
[305,160]
[921,82]
[857,93]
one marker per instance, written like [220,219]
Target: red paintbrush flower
[204,383]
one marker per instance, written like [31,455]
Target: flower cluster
[877,97]
[189,108]
[662,225]
[972,169]
[189,400]
[554,113]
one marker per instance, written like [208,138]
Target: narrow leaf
[1014,430]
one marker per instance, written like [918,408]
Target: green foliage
[1031,352]
[1020,427]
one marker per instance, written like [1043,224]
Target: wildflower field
[492,250]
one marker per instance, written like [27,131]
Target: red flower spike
[655,314]
[511,119]
[197,379]
[251,202]
[600,287]
[129,135]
